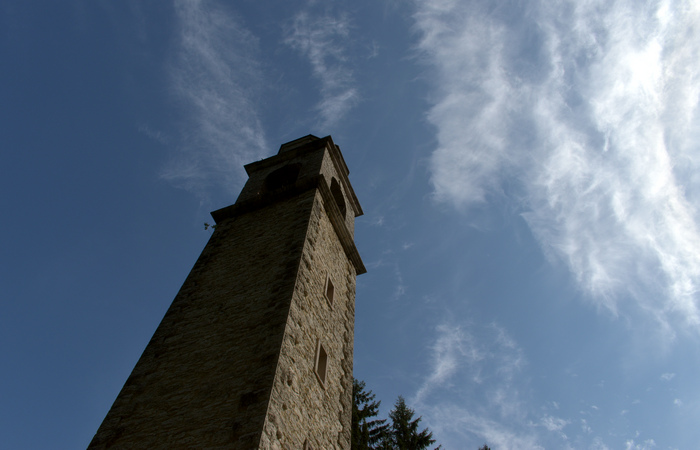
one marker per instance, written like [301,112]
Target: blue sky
[528,172]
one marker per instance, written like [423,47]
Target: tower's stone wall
[302,408]
[233,362]
[204,379]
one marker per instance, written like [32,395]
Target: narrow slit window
[329,291]
[321,364]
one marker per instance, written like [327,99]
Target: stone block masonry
[235,361]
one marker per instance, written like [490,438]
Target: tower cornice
[318,182]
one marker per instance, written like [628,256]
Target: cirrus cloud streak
[585,112]
[322,39]
[217,76]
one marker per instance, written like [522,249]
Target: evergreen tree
[404,430]
[485,447]
[366,434]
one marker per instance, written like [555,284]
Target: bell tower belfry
[256,349]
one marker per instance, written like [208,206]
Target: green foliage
[401,434]
[366,433]
[404,429]
[485,447]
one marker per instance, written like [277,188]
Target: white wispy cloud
[471,390]
[400,288]
[453,348]
[646,445]
[464,424]
[598,444]
[156,135]
[554,423]
[322,39]
[668,376]
[585,427]
[587,113]
[217,77]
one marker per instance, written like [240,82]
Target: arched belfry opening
[337,193]
[283,177]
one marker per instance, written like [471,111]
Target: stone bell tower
[256,349]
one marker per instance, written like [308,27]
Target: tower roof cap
[302,141]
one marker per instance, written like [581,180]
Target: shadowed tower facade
[256,349]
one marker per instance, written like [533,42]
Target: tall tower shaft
[256,349]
